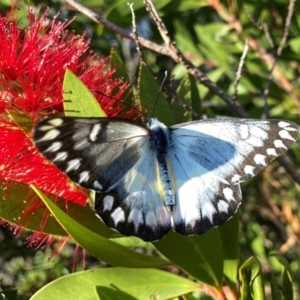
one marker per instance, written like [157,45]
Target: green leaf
[97,245]
[275,292]
[108,293]
[117,64]
[149,93]
[138,283]
[78,100]
[287,281]
[18,198]
[229,234]
[25,123]
[199,256]
[9,294]
[184,93]
[252,283]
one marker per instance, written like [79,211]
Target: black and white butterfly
[150,179]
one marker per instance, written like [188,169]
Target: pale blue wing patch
[134,205]
[236,149]
[210,158]
[203,200]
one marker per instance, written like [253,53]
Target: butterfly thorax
[160,144]
[159,136]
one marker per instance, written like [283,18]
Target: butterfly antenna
[159,92]
[130,106]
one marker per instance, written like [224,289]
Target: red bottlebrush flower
[32,66]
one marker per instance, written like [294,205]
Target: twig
[277,54]
[135,34]
[239,72]
[171,51]
[159,23]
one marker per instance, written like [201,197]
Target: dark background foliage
[213,37]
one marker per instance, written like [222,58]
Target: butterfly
[150,178]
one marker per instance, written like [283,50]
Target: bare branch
[159,23]
[170,51]
[239,72]
[277,54]
[173,52]
[135,33]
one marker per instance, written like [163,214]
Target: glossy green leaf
[229,234]
[275,292]
[78,100]
[97,245]
[181,114]
[138,283]
[24,122]
[287,280]
[116,63]
[151,99]
[15,200]
[108,293]
[251,278]
[19,198]
[199,256]
[11,294]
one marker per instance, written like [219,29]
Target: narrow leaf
[78,100]
[97,245]
[152,100]
[252,284]
[199,256]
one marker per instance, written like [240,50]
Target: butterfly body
[150,179]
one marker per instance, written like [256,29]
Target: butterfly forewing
[151,178]
[210,158]
[90,151]
[112,157]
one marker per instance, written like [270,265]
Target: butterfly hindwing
[134,206]
[211,157]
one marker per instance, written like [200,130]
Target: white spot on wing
[228,193]
[271,151]
[249,170]
[94,132]
[45,127]
[73,165]
[283,124]
[151,219]
[54,147]
[50,135]
[136,217]
[279,144]
[208,211]
[60,156]
[97,185]
[260,159]
[236,178]
[244,131]
[285,135]
[84,176]
[223,206]
[118,215]
[108,202]
[56,122]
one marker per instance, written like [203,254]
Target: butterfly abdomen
[159,135]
